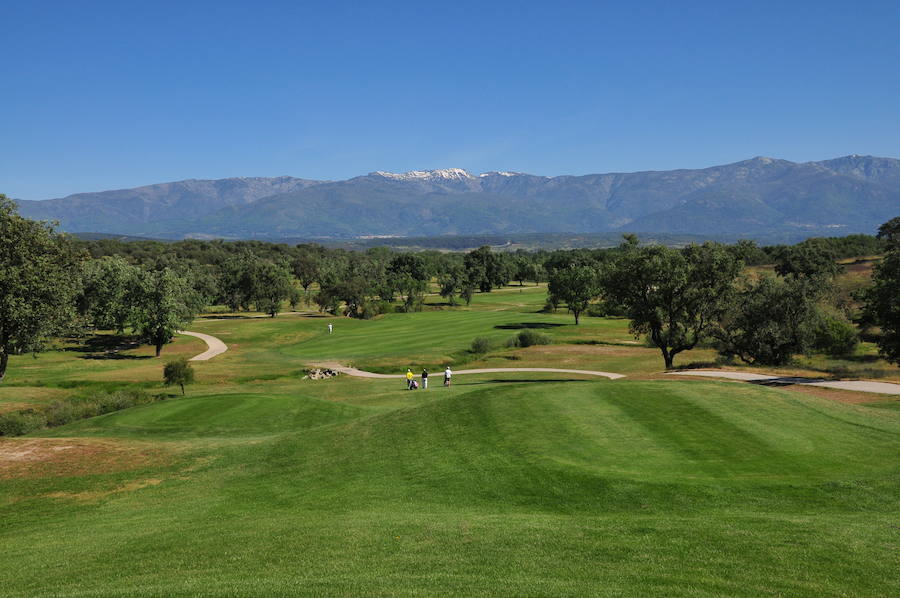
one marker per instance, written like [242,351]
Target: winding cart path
[215,346]
[362,374]
[886,388]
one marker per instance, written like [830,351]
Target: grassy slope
[525,484]
[558,488]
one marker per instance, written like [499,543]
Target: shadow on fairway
[108,347]
[519,381]
[787,381]
[523,325]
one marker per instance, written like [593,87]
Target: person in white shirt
[447,375]
[330,328]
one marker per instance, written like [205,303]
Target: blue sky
[102,95]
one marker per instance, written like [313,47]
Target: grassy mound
[492,487]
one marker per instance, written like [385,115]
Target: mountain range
[756,198]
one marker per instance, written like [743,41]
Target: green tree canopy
[164,307]
[576,286]
[108,292]
[673,296]
[769,320]
[813,259]
[38,281]
[485,269]
[883,304]
[178,371]
[890,233]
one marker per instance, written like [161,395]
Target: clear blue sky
[101,95]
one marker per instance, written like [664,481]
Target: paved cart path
[437,373]
[216,346]
[887,388]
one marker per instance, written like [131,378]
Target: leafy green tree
[252,280]
[883,304]
[38,282]
[107,294]
[178,371]
[306,268]
[271,286]
[812,259]
[238,282]
[164,307]
[673,296]
[451,281]
[409,275]
[576,286]
[485,269]
[769,320]
[890,233]
[834,334]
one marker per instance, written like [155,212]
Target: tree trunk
[159,346]
[4,359]
[576,316]
[182,389]
[668,357]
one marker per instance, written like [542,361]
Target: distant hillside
[761,198]
[136,211]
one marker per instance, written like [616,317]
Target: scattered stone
[320,374]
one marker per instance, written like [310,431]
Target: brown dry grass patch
[98,494]
[66,457]
[842,396]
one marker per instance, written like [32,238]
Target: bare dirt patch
[42,457]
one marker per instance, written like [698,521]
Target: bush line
[65,411]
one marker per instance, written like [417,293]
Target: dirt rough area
[42,457]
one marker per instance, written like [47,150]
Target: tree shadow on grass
[530,325]
[520,381]
[108,346]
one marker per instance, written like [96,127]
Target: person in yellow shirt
[409,379]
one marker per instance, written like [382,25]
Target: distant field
[260,483]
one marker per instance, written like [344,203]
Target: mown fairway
[258,483]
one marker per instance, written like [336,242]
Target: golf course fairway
[259,483]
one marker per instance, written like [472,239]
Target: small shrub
[834,335]
[370,309]
[527,338]
[481,345]
[17,423]
[550,306]
[60,413]
[178,371]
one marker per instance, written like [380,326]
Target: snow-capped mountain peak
[413,175]
[498,173]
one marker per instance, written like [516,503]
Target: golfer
[424,379]
[330,328]
[409,379]
[447,375]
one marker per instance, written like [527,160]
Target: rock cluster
[320,374]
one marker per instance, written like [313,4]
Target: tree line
[680,298]
[53,285]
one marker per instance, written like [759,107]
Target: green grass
[533,489]
[529,484]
